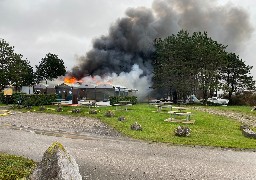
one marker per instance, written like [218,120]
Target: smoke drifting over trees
[130,39]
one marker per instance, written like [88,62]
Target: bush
[28,99]
[115,100]
[246,98]
[6,99]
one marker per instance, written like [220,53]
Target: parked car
[218,101]
[192,99]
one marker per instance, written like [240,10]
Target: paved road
[106,158]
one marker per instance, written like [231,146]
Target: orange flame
[70,80]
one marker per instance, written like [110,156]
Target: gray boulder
[136,126]
[182,131]
[56,164]
[249,133]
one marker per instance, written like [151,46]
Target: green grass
[15,167]
[208,130]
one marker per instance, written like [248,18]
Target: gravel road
[102,153]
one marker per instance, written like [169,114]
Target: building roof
[87,86]
[120,88]
[44,86]
[105,86]
[40,86]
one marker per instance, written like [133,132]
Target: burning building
[67,92]
[86,91]
[70,89]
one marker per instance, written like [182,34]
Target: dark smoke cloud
[129,42]
[130,39]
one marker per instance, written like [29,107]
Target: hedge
[28,99]
[115,100]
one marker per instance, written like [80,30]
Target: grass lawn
[15,167]
[208,130]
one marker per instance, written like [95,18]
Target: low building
[103,92]
[27,89]
[79,92]
[86,91]
[44,89]
[67,92]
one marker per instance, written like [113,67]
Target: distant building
[44,89]
[104,91]
[27,89]
[67,92]
[86,91]
[81,91]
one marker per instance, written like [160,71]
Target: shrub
[9,99]
[115,100]
[246,98]
[28,99]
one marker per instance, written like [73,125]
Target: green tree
[173,65]
[21,72]
[236,75]
[210,59]
[50,67]
[185,64]
[6,56]
[13,69]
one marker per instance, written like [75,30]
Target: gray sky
[67,27]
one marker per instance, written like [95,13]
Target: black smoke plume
[130,40]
